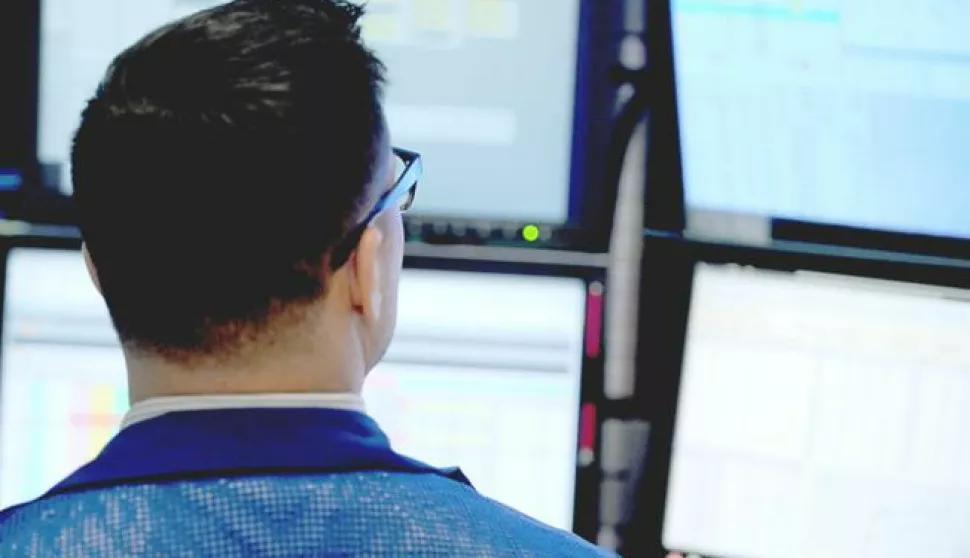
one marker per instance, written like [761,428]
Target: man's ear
[92,271]
[368,275]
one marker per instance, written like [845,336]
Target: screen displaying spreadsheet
[848,112]
[484,89]
[483,373]
[821,415]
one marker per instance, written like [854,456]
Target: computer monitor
[846,113]
[821,410]
[484,89]
[485,372]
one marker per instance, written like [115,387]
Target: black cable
[624,127]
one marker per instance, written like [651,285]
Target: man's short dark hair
[220,160]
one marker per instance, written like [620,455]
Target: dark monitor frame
[854,237]
[665,203]
[19,25]
[587,487]
[589,221]
[666,285]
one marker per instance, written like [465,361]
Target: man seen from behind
[240,203]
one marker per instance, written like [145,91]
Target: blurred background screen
[484,89]
[821,415]
[846,112]
[498,394]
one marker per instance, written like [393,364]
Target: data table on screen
[61,405]
[63,389]
[821,416]
[511,431]
[838,111]
[484,89]
[488,378]
[484,373]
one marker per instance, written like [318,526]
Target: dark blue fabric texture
[269,483]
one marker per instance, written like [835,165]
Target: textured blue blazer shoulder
[269,483]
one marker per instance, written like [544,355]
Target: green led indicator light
[530,233]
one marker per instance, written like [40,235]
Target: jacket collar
[237,442]
[157,406]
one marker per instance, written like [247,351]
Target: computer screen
[484,89]
[844,112]
[821,415]
[483,373]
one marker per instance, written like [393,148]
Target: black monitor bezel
[587,487]
[588,223]
[665,204]
[873,239]
[666,284]
[19,27]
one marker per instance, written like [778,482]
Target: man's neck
[151,377]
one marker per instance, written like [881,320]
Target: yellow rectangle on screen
[381,28]
[435,15]
[104,416]
[496,19]
[103,399]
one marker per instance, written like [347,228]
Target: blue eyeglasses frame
[405,188]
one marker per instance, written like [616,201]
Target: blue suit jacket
[269,483]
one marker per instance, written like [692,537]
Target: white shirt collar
[158,406]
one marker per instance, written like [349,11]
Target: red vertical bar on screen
[594,320]
[587,427]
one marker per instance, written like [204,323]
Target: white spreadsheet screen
[484,89]
[852,112]
[483,373]
[822,416]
